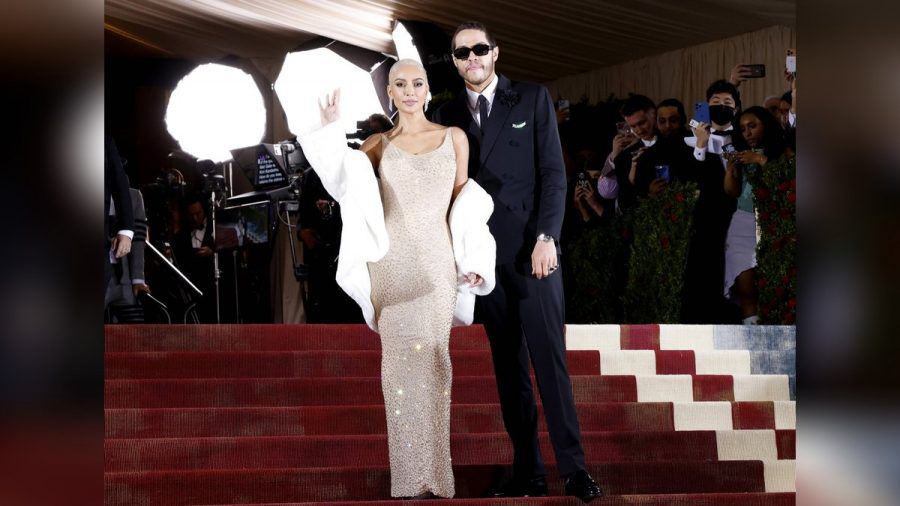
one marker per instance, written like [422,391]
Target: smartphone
[757,70]
[701,112]
[663,172]
[581,180]
[790,62]
[623,128]
[562,104]
[729,151]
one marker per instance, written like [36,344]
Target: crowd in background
[662,217]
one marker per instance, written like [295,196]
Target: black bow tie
[721,133]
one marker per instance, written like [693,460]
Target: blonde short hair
[406,61]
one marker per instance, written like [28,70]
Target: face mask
[721,114]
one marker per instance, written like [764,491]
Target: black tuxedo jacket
[518,161]
[115,185]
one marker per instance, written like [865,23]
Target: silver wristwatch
[546,238]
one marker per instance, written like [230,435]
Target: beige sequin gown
[414,294]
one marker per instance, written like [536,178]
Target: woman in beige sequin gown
[421,167]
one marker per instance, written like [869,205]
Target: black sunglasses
[462,52]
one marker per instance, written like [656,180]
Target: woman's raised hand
[330,111]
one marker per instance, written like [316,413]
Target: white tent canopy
[540,41]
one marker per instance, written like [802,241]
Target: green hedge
[775,199]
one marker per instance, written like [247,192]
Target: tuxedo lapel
[463,117]
[497,117]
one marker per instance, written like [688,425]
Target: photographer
[321,235]
[194,249]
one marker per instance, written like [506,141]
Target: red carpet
[276,414]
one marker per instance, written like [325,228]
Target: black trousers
[523,317]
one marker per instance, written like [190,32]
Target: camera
[622,128]
[363,130]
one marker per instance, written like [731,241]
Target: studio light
[214,109]
[308,76]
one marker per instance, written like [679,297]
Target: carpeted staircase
[279,414]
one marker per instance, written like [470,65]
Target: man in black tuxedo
[515,155]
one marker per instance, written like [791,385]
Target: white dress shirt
[488,94]
[713,146]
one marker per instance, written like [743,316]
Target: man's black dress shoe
[581,485]
[532,487]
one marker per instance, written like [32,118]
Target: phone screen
[701,112]
[790,62]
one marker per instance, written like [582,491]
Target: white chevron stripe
[771,387]
[785,415]
[723,362]
[593,337]
[665,388]
[628,363]
[746,445]
[686,337]
[703,415]
[780,475]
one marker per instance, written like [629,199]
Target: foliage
[662,233]
[598,259]
[775,199]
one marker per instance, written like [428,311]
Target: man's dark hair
[384,123]
[787,97]
[723,86]
[635,103]
[472,25]
[674,102]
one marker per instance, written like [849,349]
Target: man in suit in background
[515,155]
[115,187]
[128,280]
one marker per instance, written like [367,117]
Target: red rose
[761,193]
[788,318]
[785,279]
[792,302]
[784,213]
[664,242]
[679,197]
[776,244]
[761,282]
[779,291]
[792,197]
[763,216]
[783,186]
[770,228]
[794,184]
[673,217]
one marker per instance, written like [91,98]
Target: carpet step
[362,363]
[464,418]
[171,393]
[747,499]
[262,337]
[467,449]
[367,484]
